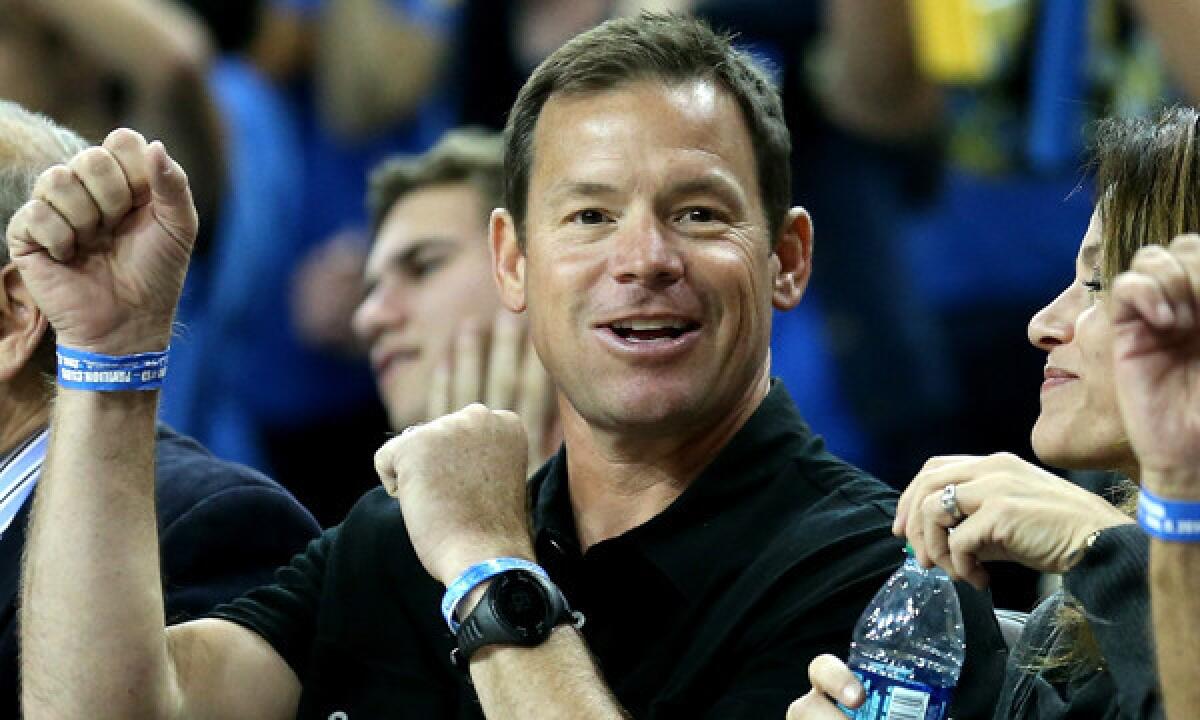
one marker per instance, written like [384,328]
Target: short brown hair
[464,155]
[653,46]
[29,144]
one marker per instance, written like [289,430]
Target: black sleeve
[285,613]
[778,673]
[764,686]
[983,670]
[227,543]
[1111,584]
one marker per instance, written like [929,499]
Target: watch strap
[478,574]
[483,626]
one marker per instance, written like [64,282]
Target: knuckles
[124,139]
[93,161]
[54,178]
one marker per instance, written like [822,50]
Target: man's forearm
[374,67]
[873,84]
[164,52]
[1174,26]
[92,625]
[555,680]
[146,42]
[1175,599]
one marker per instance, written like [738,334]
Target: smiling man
[687,552]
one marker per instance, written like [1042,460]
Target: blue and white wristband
[1170,520]
[480,573]
[82,370]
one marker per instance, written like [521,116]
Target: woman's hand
[1156,312]
[1012,510]
[830,678]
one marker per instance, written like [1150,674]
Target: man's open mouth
[652,330]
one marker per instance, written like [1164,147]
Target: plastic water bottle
[908,646]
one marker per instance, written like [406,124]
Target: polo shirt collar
[770,440]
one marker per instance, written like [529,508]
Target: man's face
[648,272]
[428,271]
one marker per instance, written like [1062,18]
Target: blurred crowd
[960,157]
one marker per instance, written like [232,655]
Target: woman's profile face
[1079,425]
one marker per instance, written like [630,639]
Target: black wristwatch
[519,608]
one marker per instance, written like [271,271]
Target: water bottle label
[894,694]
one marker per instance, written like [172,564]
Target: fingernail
[1165,314]
[851,694]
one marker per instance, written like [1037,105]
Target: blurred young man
[692,518]
[438,337]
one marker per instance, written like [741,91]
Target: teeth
[650,324]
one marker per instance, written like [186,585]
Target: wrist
[148,333]
[97,372]
[458,561]
[1168,519]
[469,584]
[470,600]
[134,412]
[1173,483]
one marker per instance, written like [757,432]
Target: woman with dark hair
[1087,651]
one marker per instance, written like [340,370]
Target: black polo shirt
[711,609]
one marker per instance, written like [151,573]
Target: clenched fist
[103,245]
[460,482]
[1156,316]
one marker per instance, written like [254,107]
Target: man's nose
[386,307]
[645,253]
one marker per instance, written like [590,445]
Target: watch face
[521,604]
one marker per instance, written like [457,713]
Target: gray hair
[29,143]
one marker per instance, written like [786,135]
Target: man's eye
[591,216]
[418,269]
[1096,284]
[698,215]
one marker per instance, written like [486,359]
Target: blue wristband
[82,370]
[1171,520]
[476,574]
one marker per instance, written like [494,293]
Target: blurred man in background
[439,339]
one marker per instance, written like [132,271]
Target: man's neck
[20,416]
[619,481]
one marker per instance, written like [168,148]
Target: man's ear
[22,324]
[793,250]
[508,260]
